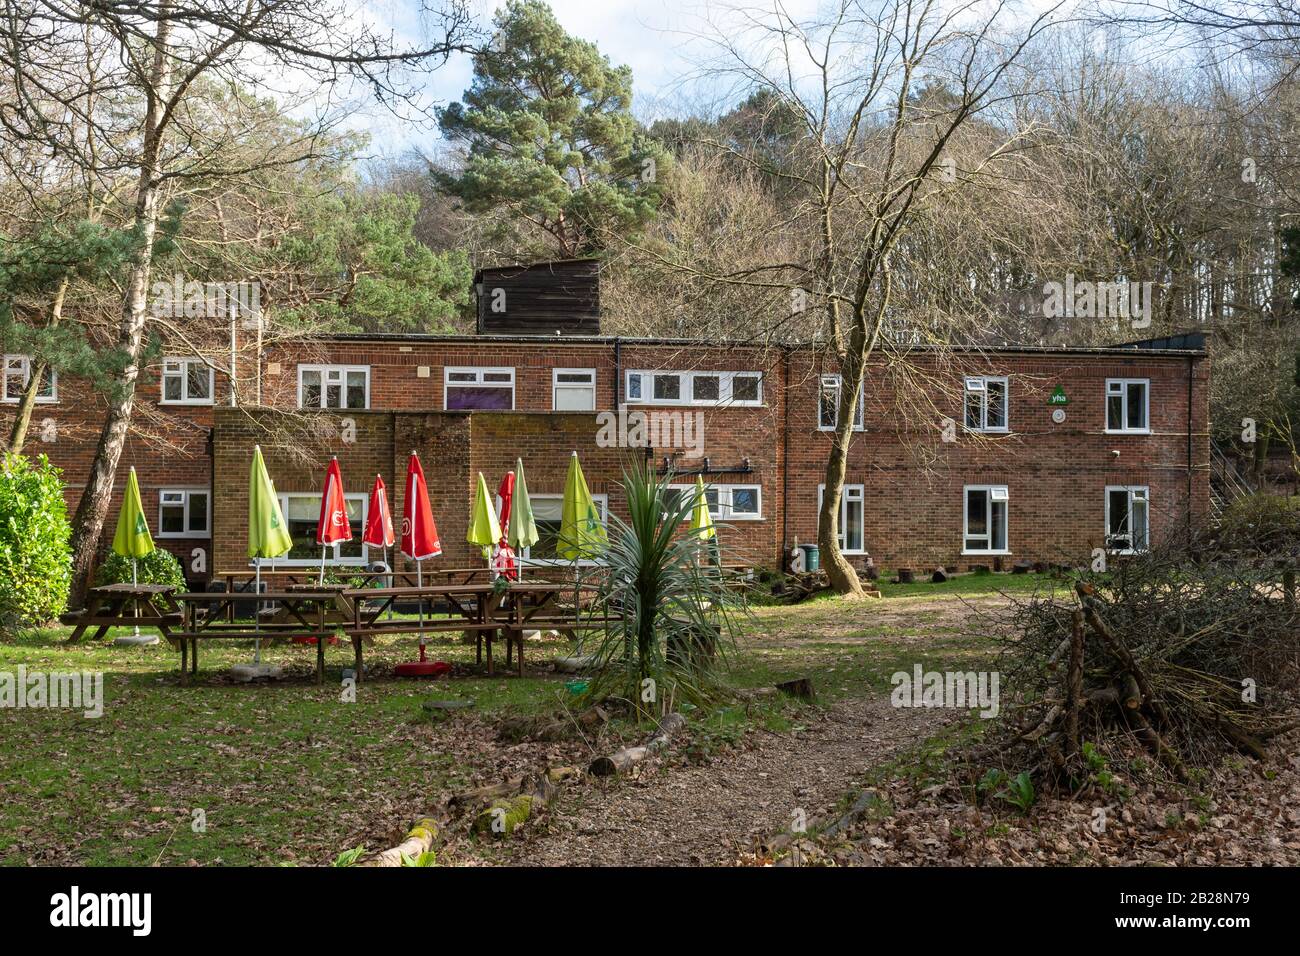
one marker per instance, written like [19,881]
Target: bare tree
[152,57]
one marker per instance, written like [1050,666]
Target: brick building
[988,456]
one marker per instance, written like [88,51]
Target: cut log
[939,576]
[470,798]
[629,757]
[419,840]
[801,687]
[574,665]
[505,816]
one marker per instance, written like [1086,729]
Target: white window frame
[686,388]
[342,371]
[1142,492]
[184,504]
[24,362]
[851,493]
[722,510]
[1121,386]
[183,363]
[995,493]
[556,385]
[979,385]
[330,559]
[478,372]
[601,501]
[836,381]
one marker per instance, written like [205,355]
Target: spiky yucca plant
[673,615]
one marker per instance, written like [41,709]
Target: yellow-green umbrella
[701,520]
[523,527]
[132,539]
[484,529]
[268,535]
[581,533]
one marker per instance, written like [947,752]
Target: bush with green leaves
[159,567]
[672,612]
[35,559]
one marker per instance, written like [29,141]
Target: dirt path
[684,814]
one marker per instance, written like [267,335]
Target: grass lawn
[288,772]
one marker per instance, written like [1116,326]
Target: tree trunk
[840,573]
[36,372]
[92,509]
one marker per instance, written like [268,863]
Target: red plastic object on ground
[312,640]
[422,667]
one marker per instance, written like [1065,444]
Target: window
[828,405]
[18,369]
[333,386]
[546,513]
[478,389]
[729,502]
[183,513]
[302,514]
[186,381]
[986,520]
[573,390]
[694,388]
[1128,404]
[986,403]
[852,536]
[1127,527]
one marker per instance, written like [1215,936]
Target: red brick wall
[1055,473]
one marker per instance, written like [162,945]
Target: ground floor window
[852,517]
[729,502]
[1127,528]
[986,519]
[302,512]
[183,513]
[547,511]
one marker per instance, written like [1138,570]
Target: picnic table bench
[301,612]
[125,605]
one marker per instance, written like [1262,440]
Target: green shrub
[35,560]
[160,567]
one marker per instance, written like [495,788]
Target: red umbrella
[333,525]
[419,533]
[379,520]
[419,541]
[504,561]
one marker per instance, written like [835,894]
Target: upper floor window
[573,389]
[828,405]
[17,371]
[183,513]
[1127,527]
[694,388]
[986,403]
[852,537]
[478,389]
[728,502]
[985,527]
[1128,404]
[333,386]
[186,381]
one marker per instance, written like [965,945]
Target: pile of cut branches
[1187,651]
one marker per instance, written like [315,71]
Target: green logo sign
[1058,397]
[140,526]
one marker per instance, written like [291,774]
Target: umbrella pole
[419,586]
[257,617]
[322,565]
[135,583]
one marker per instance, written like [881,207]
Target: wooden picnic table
[301,612]
[126,605]
[481,609]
